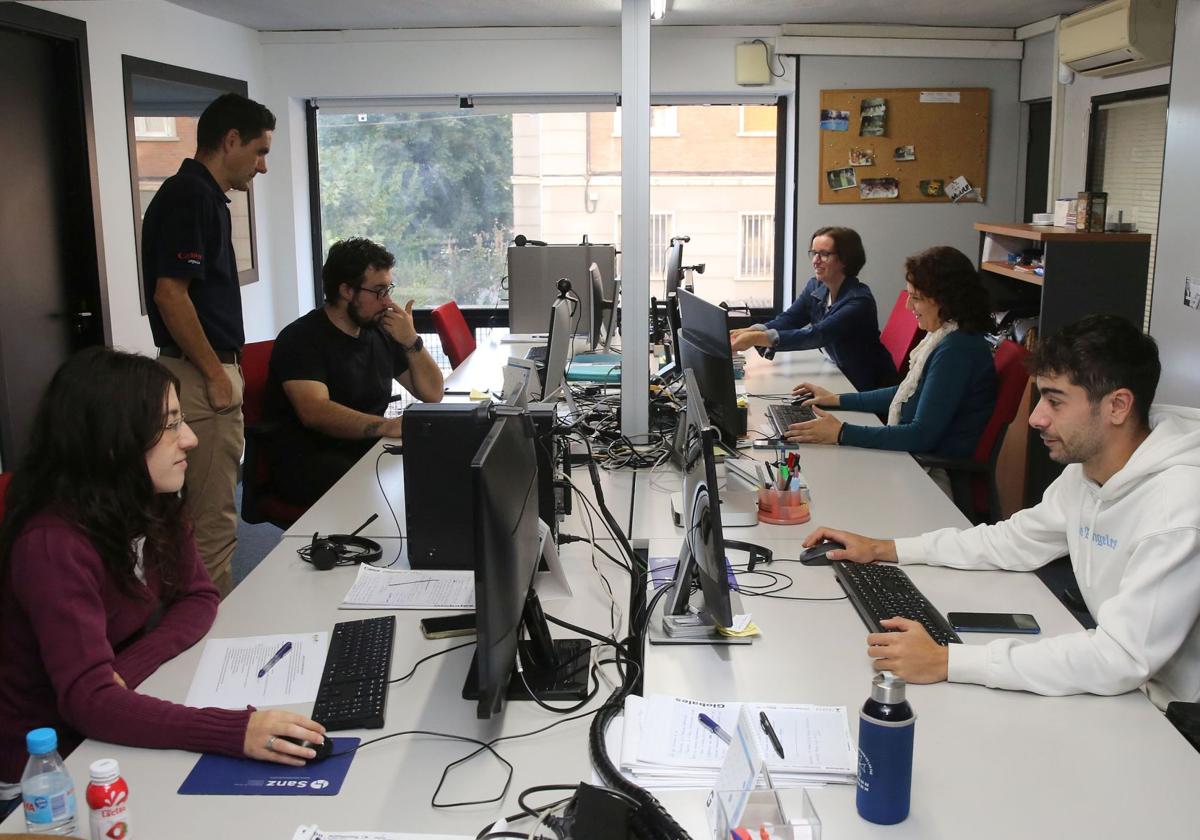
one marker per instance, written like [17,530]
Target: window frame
[741,251]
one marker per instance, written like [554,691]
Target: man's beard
[357,318]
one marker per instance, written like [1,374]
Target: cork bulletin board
[917,141]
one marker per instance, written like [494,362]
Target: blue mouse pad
[217,775]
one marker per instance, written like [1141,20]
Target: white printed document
[664,744]
[410,589]
[227,676]
[311,832]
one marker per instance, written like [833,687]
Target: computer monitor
[703,346]
[673,277]
[703,551]
[564,315]
[603,309]
[505,500]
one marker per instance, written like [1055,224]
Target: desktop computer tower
[440,439]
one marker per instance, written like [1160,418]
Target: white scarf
[916,366]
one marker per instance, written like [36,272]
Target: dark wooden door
[50,284]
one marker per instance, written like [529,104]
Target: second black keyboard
[353,692]
[785,414]
[880,591]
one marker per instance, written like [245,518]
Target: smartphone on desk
[445,626]
[773,443]
[965,622]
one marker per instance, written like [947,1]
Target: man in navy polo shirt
[194,302]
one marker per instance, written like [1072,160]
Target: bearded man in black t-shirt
[332,371]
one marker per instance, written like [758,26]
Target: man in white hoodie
[1127,511]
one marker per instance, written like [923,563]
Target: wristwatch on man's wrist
[415,347]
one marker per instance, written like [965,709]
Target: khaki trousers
[211,485]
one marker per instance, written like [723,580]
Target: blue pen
[714,727]
[279,654]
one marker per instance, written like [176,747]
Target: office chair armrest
[930,461]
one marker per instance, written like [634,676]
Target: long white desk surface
[988,763]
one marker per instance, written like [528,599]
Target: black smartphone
[965,622]
[444,626]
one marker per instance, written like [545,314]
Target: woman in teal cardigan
[945,401]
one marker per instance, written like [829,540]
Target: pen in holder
[782,507]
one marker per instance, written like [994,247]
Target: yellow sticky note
[478,395]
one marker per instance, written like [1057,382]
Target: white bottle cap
[104,771]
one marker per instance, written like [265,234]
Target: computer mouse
[322,751]
[815,556]
[802,399]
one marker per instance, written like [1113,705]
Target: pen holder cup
[764,815]
[782,507]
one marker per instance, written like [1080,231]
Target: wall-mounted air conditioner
[1118,36]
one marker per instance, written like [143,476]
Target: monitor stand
[555,669]
[679,626]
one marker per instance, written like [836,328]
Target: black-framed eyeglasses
[380,293]
[824,255]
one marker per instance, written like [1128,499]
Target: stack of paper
[410,589]
[664,745]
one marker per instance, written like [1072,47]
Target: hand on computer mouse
[818,555]
[323,749]
[276,735]
[857,548]
[807,392]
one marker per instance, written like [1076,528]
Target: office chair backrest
[1012,379]
[901,333]
[5,478]
[256,361]
[457,339]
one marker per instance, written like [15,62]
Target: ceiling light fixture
[658,9]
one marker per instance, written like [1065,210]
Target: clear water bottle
[47,792]
[885,752]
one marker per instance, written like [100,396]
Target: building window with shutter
[1125,160]
[756,247]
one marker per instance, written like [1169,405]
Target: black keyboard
[538,354]
[785,414]
[353,692]
[880,591]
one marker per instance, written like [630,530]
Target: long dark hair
[947,276]
[86,462]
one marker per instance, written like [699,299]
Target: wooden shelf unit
[1083,274]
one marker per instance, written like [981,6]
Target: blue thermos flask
[885,751]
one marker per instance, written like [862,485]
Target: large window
[1125,160]
[447,190]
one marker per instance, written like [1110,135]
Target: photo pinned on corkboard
[834,120]
[904,153]
[873,118]
[862,157]
[870,189]
[933,187]
[841,179]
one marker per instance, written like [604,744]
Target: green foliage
[435,189]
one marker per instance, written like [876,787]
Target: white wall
[1039,66]
[684,60]
[162,32]
[892,232]
[1176,327]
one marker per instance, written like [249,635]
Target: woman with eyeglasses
[835,311]
[100,580]
[945,401]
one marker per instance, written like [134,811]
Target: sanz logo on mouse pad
[216,775]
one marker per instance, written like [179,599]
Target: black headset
[341,549]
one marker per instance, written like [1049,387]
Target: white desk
[987,763]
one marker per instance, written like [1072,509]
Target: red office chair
[258,503]
[457,339]
[5,478]
[973,480]
[901,333]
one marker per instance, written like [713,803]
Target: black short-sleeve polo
[187,233]
[358,371]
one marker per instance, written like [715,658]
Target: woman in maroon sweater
[100,581]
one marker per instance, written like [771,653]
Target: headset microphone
[521,241]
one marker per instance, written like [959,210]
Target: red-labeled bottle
[108,801]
